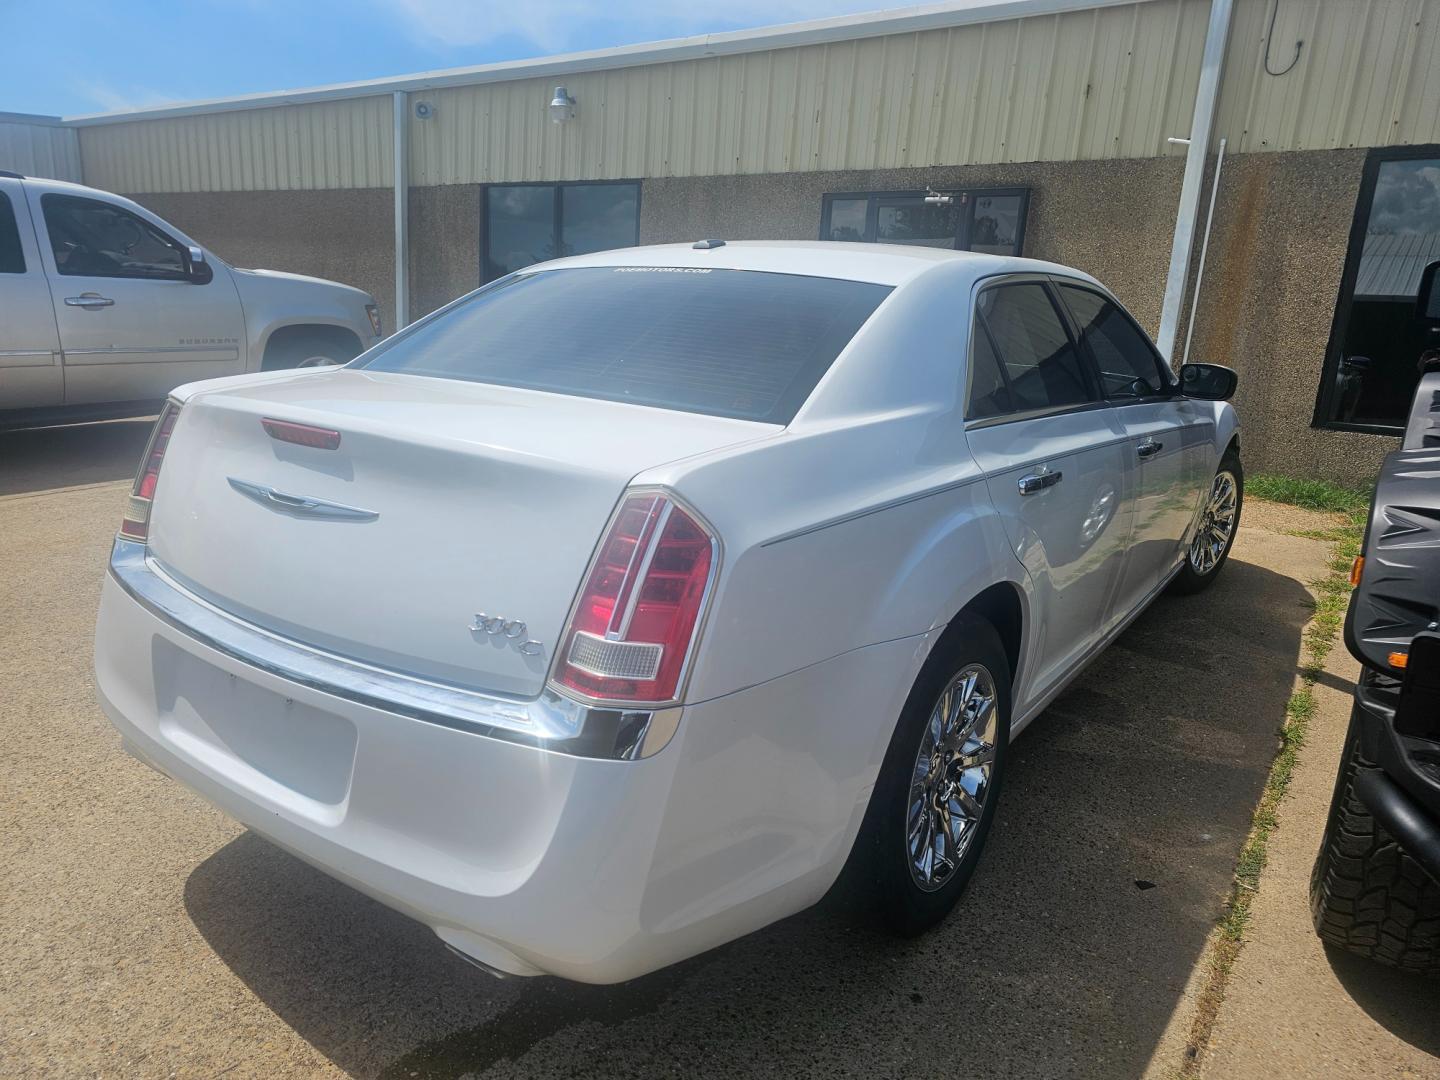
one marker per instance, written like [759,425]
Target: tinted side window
[96,239]
[12,259]
[989,396]
[1038,360]
[1128,365]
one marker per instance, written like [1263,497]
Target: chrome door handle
[1147,448]
[1034,482]
[89,300]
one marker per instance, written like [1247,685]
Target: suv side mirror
[197,270]
[1427,300]
[1210,382]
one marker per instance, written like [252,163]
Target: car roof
[882,264]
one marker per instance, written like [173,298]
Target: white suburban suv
[602,616]
[105,308]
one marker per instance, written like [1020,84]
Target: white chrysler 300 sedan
[604,615]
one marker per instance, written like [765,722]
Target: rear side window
[989,396]
[12,259]
[734,343]
[1038,361]
[91,238]
[1129,366]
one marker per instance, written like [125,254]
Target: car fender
[272,301]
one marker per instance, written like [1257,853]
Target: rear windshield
[734,343]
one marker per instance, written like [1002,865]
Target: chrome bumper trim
[549,722]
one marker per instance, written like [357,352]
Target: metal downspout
[402,210]
[1207,92]
[1204,250]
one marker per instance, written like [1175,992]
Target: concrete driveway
[143,934]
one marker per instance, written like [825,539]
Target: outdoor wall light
[562,106]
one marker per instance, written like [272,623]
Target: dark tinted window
[989,395]
[12,259]
[1038,360]
[530,223]
[725,342]
[1129,366]
[975,220]
[97,239]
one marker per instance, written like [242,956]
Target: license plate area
[283,749]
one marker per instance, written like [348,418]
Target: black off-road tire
[1189,580]
[1366,895]
[880,861]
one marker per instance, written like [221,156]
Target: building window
[992,221]
[1375,342]
[530,223]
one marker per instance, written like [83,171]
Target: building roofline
[817,31]
[34,119]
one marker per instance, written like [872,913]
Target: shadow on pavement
[1402,1003]
[40,459]
[1056,962]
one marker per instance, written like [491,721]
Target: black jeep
[1375,889]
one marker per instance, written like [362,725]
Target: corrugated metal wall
[38,146]
[332,144]
[1105,83]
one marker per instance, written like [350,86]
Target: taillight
[136,523]
[632,628]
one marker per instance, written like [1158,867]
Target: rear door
[29,345]
[1054,457]
[132,326]
[1168,437]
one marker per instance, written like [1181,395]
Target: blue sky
[70,57]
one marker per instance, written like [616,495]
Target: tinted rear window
[731,343]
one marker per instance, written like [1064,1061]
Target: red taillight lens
[636,617]
[136,523]
[301,434]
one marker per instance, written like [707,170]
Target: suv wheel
[1366,895]
[935,798]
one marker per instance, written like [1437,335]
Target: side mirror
[1210,382]
[1427,300]
[197,270]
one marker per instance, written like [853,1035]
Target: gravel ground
[143,934]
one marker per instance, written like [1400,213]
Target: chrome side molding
[550,722]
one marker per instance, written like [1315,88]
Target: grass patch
[1308,494]
[1332,595]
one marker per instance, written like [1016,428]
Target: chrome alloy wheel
[951,777]
[1217,523]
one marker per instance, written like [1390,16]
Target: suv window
[735,343]
[12,259]
[1037,359]
[98,239]
[1129,366]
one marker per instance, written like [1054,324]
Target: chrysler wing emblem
[300,505]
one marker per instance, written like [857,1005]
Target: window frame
[1087,367]
[1345,299]
[963,234]
[1167,376]
[487,271]
[60,198]
[7,209]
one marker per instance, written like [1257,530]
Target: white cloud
[556,25]
[114,99]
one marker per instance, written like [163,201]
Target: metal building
[1051,127]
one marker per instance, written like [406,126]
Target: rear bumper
[526,859]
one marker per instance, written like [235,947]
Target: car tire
[1202,561]
[1366,895]
[893,885]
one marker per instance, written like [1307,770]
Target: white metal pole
[402,209]
[1207,91]
[1204,248]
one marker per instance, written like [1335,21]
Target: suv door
[133,326]
[1054,457]
[1169,438]
[29,345]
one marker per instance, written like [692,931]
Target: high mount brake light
[301,434]
[636,619]
[136,523]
